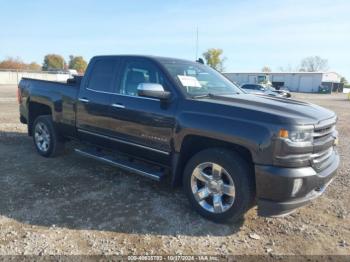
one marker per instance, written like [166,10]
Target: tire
[235,172]
[47,141]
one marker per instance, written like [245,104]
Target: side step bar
[122,163]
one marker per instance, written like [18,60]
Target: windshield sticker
[189,81]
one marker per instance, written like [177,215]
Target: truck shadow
[78,193]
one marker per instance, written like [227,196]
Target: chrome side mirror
[153,90]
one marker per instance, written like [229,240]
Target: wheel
[47,141]
[219,184]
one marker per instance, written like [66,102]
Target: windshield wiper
[203,96]
[213,95]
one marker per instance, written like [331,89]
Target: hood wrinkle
[283,107]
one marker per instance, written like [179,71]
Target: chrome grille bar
[324,131]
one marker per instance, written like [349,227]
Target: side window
[102,75]
[248,87]
[139,72]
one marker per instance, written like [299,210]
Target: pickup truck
[182,121]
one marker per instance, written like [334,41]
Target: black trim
[267,208]
[128,166]
[123,141]
[275,186]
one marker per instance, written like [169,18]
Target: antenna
[196,43]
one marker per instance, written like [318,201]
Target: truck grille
[324,142]
[322,133]
[322,160]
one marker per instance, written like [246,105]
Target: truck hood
[274,109]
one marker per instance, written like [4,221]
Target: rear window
[102,75]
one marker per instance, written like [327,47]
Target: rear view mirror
[153,90]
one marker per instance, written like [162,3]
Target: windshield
[198,80]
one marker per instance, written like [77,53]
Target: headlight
[305,135]
[301,136]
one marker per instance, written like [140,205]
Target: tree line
[308,64]
[51,62]
[213,58]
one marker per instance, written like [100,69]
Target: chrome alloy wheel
[42,137]
[213,187]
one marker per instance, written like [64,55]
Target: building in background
[307,82]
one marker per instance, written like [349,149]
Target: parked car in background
[284,91]
[265,90]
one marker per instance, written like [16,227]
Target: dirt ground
[73,205]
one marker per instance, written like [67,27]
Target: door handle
[118,106]
[84,100]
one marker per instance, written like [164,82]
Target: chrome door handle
[118,105]
[84,100]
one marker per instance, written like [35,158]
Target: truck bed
[59,97]
[69,82]
[69,89]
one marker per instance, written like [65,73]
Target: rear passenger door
[93,107]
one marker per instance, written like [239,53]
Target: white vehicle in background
[73,72]
[347,91]
[265,90]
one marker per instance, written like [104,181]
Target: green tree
[34,66]
[78,63]
[343,80]
[313,64]
[266,69]
[214,59]
[53,62]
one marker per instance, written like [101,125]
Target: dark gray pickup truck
[180,120]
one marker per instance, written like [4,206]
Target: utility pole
[196,43]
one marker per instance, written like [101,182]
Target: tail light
[19,95]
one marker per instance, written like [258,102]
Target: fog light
[336,141]
[297,186]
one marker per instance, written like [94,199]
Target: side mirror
[153,90]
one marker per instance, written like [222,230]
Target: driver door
[144,125]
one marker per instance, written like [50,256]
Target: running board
[132,167]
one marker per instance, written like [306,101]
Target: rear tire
[224,197]
[47,140]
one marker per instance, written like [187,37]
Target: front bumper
[275,186]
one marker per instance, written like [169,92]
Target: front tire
[47,141]
[219,184]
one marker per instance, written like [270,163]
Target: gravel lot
[73,205]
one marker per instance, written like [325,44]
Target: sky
[251,33]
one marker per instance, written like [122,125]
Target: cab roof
[156,58]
